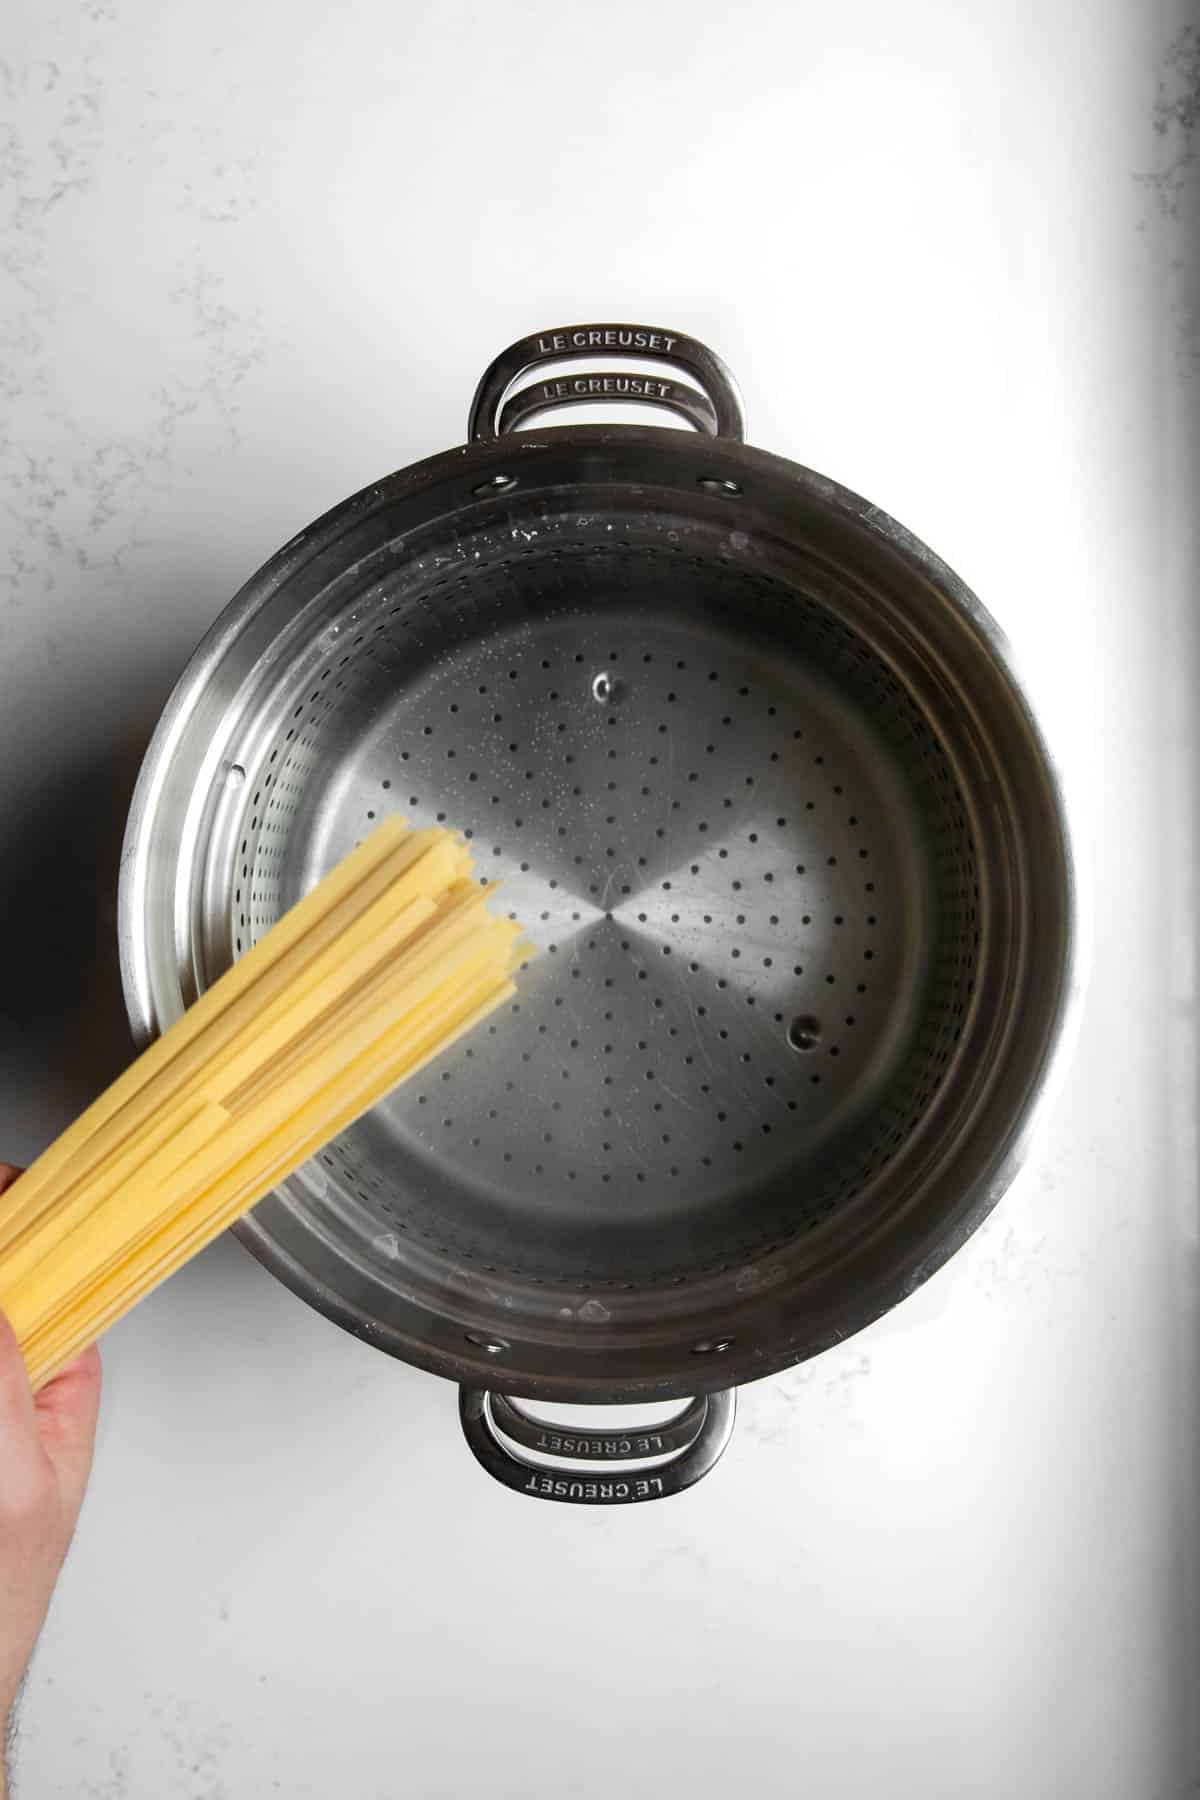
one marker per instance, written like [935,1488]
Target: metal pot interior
[754,775]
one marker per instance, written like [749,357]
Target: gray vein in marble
[89,497]
[1175,118]
[70,494]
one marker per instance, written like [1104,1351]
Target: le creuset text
[648,1487]
[605,337]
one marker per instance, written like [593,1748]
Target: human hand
[45,1456]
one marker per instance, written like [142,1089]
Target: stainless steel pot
[758,778]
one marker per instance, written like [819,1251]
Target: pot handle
[713,406]
[696,1438]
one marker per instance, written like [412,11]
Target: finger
[66,1410]
[16,1401]
[18,1420]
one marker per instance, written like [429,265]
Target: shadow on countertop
[63,1029]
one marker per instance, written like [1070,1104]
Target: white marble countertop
[253,256]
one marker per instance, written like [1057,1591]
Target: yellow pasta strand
[191,1228]
[88,1315]
[372,974]
[270,968]
[142,1202]
[291,932]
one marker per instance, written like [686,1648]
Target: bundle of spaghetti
[374,972]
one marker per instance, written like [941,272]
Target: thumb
[66,1410]
[61,1420]
[17,1423]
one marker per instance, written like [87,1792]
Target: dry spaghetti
[374,972]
